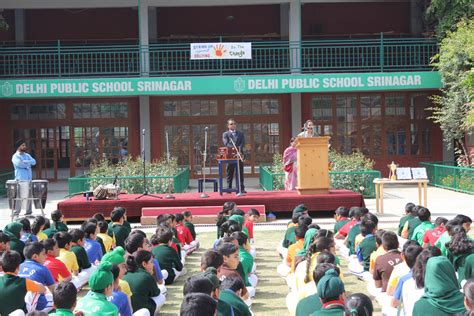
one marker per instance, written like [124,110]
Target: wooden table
[379,184]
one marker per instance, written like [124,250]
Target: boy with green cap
[117,256]
[101,284]
[332,294]
[13,231]
[65,298]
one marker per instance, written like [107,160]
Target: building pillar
[416,17]
[295,35]
[144,103]
[19,26]
[296,114]
[143,38]
[284,20]
[152,25]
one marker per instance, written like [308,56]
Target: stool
[223,162]
[212,180]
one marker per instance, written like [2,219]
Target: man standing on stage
[239,141]
[22,163]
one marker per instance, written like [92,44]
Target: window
[395,105]
[321,108]
[346,116]
[54,111]
[237,107]
[370,107]
[100,110]
[190,108]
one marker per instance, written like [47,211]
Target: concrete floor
[441,202]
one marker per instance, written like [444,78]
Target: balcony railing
[322,56]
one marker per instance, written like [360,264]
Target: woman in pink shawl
[289,163]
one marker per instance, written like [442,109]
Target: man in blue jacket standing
[22,162]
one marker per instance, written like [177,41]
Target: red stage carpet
[275,201]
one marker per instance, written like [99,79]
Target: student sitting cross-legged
[13,288]
[332,293]
[32,268]
[101,284]
[361,263]
[184,235]
[246,258]
[167,257]
[145,292]
[65,299]
[58,269]
[232,288]
[77,247]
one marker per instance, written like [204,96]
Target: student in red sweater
[431,236]
[184,235]
[57,268]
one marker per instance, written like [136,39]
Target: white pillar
[19,26]
[152,24]
[144,102]
[295,114]
[295,35]
[143,36]
[284,20]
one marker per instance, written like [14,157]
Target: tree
[444,15]
[455,62]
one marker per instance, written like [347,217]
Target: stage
[77,208]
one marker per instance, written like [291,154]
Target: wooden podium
[313,165]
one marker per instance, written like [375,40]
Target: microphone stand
[238,167]
[169,195]
[145,184]
[204,158]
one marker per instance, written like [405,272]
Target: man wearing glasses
[239,141]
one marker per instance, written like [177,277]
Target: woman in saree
[289,163]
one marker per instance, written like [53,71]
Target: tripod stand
[145,183]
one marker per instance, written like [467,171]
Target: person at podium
[289,164]
[308,130]
[238,139]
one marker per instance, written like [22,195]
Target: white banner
[221,51]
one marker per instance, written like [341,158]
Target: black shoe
[243,191]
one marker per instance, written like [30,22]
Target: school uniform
[69,259]
[459,263]
[308,305]
[95,303]
[93,249]
[225,272]
[35,271]
[107,240]
[62,312]
[420,231]
[168,260]
[337,310]
[441,243]
[249,226]
[365,249]
[185,238]
[13,230]
[81,256]
[469,267]
[120,300]
[290,237]
[13,290]
[191,228]
[384,266]
[431,236]
[238,305]
[101,243]
[143,288]
[403,220]
[340,223]
[59,226]
[247,264]
[410,225]
[121,233]
[58,269]
[351,236]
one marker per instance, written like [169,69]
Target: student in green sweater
[341,216]
[13,231]
[246,258]
[463,220]
[57,222]
[145,291]
[424,216]
[167,257]
[65,298]
[360,265]
[412,222]
[198,304]
[188,222]
[459,249]
[118,229]
[332,293]
[359,213]
[408,214]
[231,293]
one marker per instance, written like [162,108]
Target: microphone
[143,131]
[206,129]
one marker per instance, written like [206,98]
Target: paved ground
[441,202]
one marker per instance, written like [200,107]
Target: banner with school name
[108,87]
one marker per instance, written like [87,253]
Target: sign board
[221,51]
[212,85]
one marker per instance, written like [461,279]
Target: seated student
[310,304]
[468,291]
[246,258]
[169,220]
[108,241]
[77,247]
[424,215]
[380,251]
[58,269]
[431,235]
[13,231]
[469,269]
[286,266]
[4,245]
[232,293]
[411,286]
[355,213]
[360,264]
[359,214]
[384,263]
[38,228]
[32,268]
[65,298]
[400,269]
[146,293]
[188,222]
[412,222]
[184,235]
[97,238]
[290,237]
[101,284]
[446,236]
[195,304]
[341,215]
[252,217]
[408,215]
[332,294]
[118,229]
[282,248]
[240,220]
[92,247]
[166,256]
[26,235]
[358,304]
[442,295]
[57,222]
[13,288]
[223,216]
[299,210]
[459,248]
[120,299]
[313,232]
[65,255]
[117,258]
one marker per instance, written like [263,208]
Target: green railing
[4,176]
[357,181]
[134,184]
[131,60]
[447,175]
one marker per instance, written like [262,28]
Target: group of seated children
[45,264]
[421,271]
